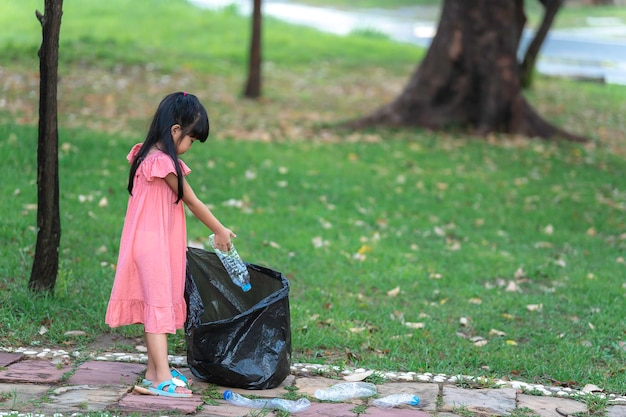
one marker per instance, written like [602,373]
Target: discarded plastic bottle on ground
[394,400]
[346,390]
[267,403]
[235,267]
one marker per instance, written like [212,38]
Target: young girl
[150,276]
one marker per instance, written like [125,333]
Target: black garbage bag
[234,338]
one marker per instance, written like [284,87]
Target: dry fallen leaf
[75,333]
[358,329]
[494,332]
[142,390]
[534,307]
[393,292]
[364,249]
[358,376]
[318,242]
[479,341]
[413,325]
[592,388]
[402,336]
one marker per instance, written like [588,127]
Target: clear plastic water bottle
[395,400]
[267,403]
[345,391]
[235,267]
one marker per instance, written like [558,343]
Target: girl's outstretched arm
[202,212]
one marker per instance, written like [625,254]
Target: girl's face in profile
[182,143]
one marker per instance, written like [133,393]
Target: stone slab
[315,410]
[7,358]
[309,384]
[395,412]
[328,410]
[155,403]
[34,371]
[616,411]
[546,406]
[223,410]
[107,373]
[497,402]
[20,395]
[80,398]
[426,392]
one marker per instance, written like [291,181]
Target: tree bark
[46,263]
[469,78]
[253,85]
[551,8]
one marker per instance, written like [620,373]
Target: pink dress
[150,276]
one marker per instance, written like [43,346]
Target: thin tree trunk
[551,8]
[253,85]
[46,263]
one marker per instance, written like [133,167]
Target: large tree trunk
[253,85]
[46,263]
[469,77]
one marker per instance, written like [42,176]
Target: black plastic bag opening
[234,338]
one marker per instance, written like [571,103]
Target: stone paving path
[31,386]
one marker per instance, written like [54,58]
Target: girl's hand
[222,239]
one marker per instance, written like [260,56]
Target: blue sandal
[175,374]
[170,391]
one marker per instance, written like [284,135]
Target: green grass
[416,227]
[207,37]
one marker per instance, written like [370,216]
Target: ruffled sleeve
[159,165]
[133,153]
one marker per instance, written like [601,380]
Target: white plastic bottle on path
[345,391]
[395,400]
[235,267]
[267,403]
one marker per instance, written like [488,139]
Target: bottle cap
[246,287]
[228,394]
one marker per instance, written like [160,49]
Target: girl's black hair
[179,108]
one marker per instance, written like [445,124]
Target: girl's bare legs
[158,365]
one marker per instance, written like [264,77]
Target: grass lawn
[406,249]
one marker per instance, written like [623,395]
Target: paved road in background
[597,52]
